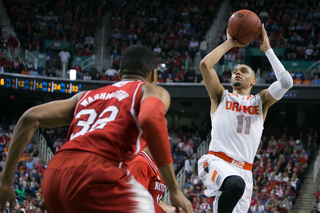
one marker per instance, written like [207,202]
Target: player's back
[105,121]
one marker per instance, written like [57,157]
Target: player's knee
[235,184]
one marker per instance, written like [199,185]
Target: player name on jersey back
[119,94]
[105,121]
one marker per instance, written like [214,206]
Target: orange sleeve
[141,171]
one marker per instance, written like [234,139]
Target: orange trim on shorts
[223,156]
[214,175]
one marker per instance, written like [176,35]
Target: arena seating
[69,21]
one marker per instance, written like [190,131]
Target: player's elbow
[30,118]
[286,80]
[203,65]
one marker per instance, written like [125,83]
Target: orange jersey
[145,171]
[106,122]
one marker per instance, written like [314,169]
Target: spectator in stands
[24,64]
[16,65]
[86,76]
[64,59]
[257,207]
[203,47]
[87,52]
[307,81]
[190,75]
[116,63]
[93,72]
[193,47]
[89,42]
[298,80]
[115,53]
[314,209]
[169,79]
[110,72]
[115,77]
[180,76]
[160,78]
[103,76]
[49,54]
[1,68]
[77,67]
[299,73]
[7,64]
[50,73]
[25,71]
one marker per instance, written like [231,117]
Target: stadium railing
[316,167]
[315,66]
[86,65]
[30,57]
[42,146]
[181,176]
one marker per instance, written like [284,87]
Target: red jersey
[145,171]
[106,122]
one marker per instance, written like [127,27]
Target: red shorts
[77,181]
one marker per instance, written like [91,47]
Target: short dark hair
[138,60]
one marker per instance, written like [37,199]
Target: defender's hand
[234,43]
[6,194]
[265,43]
[179,200]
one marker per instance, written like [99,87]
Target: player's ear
[254,81]
[154,76]
[119,74]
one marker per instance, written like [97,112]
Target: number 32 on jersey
[91,123]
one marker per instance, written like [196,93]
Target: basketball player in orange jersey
[107,127]
[146,172]
[237,123]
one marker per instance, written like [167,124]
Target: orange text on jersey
[235,106]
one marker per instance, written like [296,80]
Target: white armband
[276,90]
[282,75]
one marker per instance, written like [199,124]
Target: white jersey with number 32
[237,126]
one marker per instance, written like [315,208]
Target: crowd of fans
[299,78]
[279,170]
[173,30]
[290,24]
[69,21]
[28,175]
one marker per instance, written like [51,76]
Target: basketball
[244,26]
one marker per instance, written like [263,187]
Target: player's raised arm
[284,80]
[53,114]
[155,102]
[210,78]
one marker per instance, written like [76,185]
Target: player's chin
[237,83]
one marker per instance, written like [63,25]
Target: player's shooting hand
[265,43]
[179,200]
[6,194]
[234,43]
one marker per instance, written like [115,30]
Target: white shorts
[219,170]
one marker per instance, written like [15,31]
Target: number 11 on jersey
[240,124]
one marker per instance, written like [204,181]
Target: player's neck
[242,91]
[146,149]
[132,78]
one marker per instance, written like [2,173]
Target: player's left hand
[265,43]
[6,194]
[235,43]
